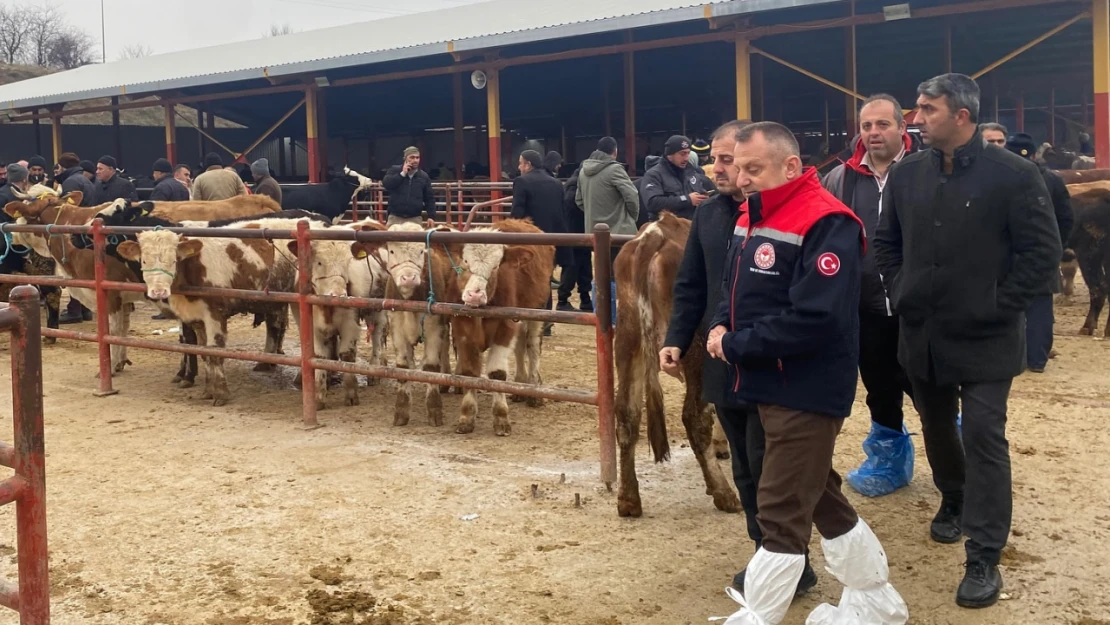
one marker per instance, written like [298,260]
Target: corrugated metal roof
[470,27]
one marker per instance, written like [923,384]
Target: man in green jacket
[606,193]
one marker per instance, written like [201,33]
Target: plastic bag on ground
[858,561]
[889,463]
[769,587]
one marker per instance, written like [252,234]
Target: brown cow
[1089,248]
[645,270]
[1075,176]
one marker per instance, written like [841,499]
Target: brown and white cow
[645,271]
[171,262]
[336,273]
[496,274]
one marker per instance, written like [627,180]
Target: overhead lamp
[896,12]
[322,81]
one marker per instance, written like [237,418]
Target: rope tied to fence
[9,245]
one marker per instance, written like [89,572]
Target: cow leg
[699,423]
[201,334]
[188,337]
[520,349]
[534,340]
[468,363]
[321,343]
[498,365]
[1104,284]
[445,356]
[406,333]
[53,296]
[347,343]
[720,441]
[276,324]
[124,325]
[435,346]
[217,337]
[630,391]
[1090,266]
[377,343]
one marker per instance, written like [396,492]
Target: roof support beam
[806,72]
[1011,55]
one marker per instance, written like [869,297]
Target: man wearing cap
[36,170]
[166,189]
[264,183]
[111,186]
[1039,317]
[16,176]
[703,152]
[410,192]
[674,184]
[88,169]
[217,183]
[72,179]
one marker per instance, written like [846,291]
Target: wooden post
[493,121]
[851,123]
[117,134]
[1100,18]
[56,133]
[322,129]
[630,107]
[759,110]
[311,124]
[171,134]
[460,133]
[743,79]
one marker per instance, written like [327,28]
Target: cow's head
[405,261]
[41,209]
[480,265]
[158,252]
[331,260]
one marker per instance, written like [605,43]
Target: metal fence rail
[600,241]
[27,488]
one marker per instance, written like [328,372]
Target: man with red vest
[788,327]
[859,183]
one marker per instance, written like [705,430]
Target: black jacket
[409,196]
[73,179]
[575,218]
[666,187]
[962,255]
[7,197]
[115,189]
[169,189]
[1065,218]
[644,217]
[538,196]
[697,288]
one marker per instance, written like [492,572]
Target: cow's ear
[74,198]
[129,250]
[292,247]
[519,255]
[362,249]
[145,208]
[14,209]
[188,248]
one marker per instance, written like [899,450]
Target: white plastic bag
[769,586]
[858,561]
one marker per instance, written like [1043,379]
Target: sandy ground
[165,510]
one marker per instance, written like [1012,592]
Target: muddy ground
[166,510]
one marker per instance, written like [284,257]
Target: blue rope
[9,246]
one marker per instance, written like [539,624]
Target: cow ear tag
[361,254]
[69,200]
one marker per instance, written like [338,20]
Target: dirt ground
[165,510]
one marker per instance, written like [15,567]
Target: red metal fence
[455,201]
[600,241]
[27,488]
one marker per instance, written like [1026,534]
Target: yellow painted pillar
[56,127]
[311,122]
[1100,19]
[171,134]
[493,124]
[743,79]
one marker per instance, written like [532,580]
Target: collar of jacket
[680,172]
[773,199]
[963,157]
[855,159]
[62,177]
[110,180]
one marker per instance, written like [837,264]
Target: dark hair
[899,118]
[959,91]
[533,158]
[552,160]
[774,133]
[994,126]
[733,127]
[181,166]
[607,145]
[68,160]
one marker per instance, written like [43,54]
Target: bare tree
[278,30]
[46,24]
[15,33]
[135,51]
[71,49]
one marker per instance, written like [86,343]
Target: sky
[182,25]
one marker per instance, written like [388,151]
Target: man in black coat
[1040,318]
[697,295]
[72,178]
[580,271]
[410,191]
[166,187]
[967,239]
[674,184]
[110,185]
[538,196]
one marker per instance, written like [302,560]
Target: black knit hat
[675,144]
[701,148]
[88,166]
[1022,145]
[213,160]
[36,161]
[107,161]
[163,166]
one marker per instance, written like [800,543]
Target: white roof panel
[469,27]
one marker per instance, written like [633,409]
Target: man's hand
[431,223]
[713,344]
[670,361]
[406,169]
[697,198]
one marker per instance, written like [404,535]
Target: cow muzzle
[475,298]
[158,293]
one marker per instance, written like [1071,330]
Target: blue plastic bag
[889,463]
[612,300]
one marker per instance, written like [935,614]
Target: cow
[171,262]
[1059,158]
[332,198]
[502,275]
[645,271]
[1089,245]
[417,273]
[1076,176]
[336,273]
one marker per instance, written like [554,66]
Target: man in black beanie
[1039,317]
[217,183]
[166,188]
[88,169]
[71,179]
[674,184]
[110,185]
[36,170]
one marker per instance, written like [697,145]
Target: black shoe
[547,328]
[946,526]
[565,307]
[159,317]
[586,305]
[981,585]
[805,583]
[69,317]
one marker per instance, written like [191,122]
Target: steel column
[460,132]
[100,275]
[311,121]
[743,79]
[493,124]
[322,129]
[56,136]
[117,134]
[171,134]
[630,107]
[308,346]
[1100,17]
[851,119]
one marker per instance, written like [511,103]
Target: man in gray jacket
[606,193]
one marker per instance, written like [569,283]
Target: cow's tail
[646,256]
[259,319]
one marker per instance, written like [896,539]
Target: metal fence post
[29,461]
[308,346]
[603,272]
[100,275]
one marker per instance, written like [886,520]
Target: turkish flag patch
[828,264]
